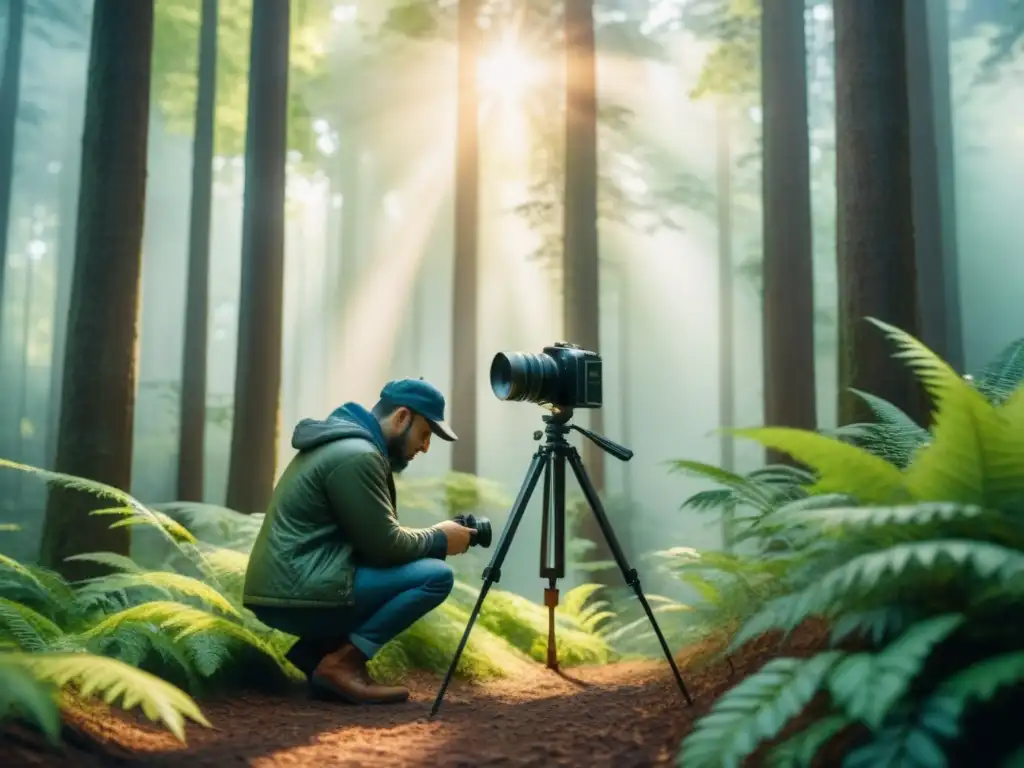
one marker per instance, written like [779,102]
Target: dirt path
[626,714]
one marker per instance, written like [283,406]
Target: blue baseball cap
[423,398]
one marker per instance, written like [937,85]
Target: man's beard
[398,450]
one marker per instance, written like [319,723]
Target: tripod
[551,458]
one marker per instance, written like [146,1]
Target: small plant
[917,577]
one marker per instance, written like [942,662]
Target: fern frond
[798,751]
[742,489]
[114,681]
[30,630]
[876,624]
[164,581]
[979,682]
[23,694]
[934,373]
[841,468]
[912,742]
[754,711]
[867,686]
[110,559]
[864,517]
[715,498]
[860,575]
[1002,375]
[887,413]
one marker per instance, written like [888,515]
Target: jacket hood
[348,421]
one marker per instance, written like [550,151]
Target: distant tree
[10,88]
[258,367]
[875,227]
[97,409]
[788,266]
[467,224]
[193,375]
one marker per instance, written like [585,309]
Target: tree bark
[191,449]
[258,367]
[932,166]
[788,303]
[98,393]
[10,88]
[875,219]
[581,255]
[467,222]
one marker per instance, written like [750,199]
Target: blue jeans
[387,601]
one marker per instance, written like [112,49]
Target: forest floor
[622,714]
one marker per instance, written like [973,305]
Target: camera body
[563,375]
[579,375]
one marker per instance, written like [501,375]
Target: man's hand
[458,536]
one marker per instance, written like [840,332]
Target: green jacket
[332,509]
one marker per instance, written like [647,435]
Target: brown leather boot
[343,674]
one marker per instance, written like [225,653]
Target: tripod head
[558,427]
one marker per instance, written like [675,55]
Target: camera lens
[521,376]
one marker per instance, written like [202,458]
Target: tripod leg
[630,574]
[492,572]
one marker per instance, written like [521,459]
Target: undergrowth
[915,558]
[167,625]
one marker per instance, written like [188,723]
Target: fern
[23,694]
[30,631]
[978,683]
[866,686]
[754,711]
[113,681]
[1004,374]
[799,750]
[865,573]
[841,468]
[163,581]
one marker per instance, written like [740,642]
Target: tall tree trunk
[258,367]
[875,221]
[580,255]
[98,393]
[191,449]
[10,87]
[726,303]
[467,221]
[931,126]
[64,271]
[788,304]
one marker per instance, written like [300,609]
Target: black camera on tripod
[563,375]
[481,526]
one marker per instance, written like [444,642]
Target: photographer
[331,564]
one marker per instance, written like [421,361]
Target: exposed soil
[625,714]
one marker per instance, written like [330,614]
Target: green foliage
[176,62]
[174,616]
[919,568]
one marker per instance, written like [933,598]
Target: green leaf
[867,686]
[114,681]
[862,517]
[862,574]
[23,694]
[979,682]
[909,746]
[886,412]
[841,468]
[799,751]
[754,711]
[160,580]
[109,559]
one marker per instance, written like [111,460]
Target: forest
[789,228]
